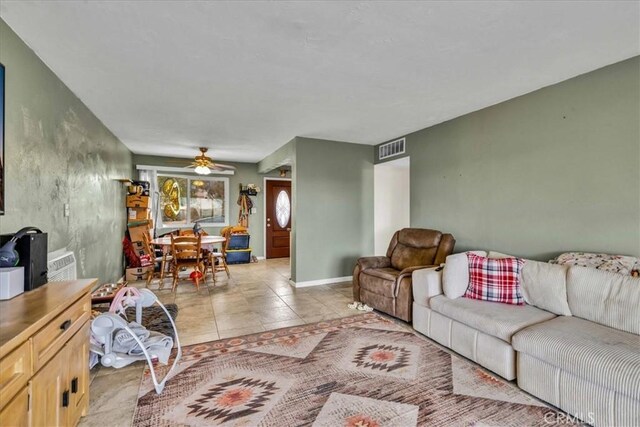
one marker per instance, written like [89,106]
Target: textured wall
[333,217]
[555,170]
[246,173]
[58,152]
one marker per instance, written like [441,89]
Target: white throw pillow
[455,276]
[545,286]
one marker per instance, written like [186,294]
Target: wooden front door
[278,195]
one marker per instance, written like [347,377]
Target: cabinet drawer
[50,339]
[15,371]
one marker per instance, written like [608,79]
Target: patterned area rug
[360,371]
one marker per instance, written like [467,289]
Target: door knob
[288,229]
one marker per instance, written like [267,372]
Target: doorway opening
[391,201]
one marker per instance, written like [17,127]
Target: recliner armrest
[426,283]
[409,270]
[366,263]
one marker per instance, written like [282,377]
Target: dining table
[204,240]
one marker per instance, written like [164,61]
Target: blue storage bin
[238,256]
[238,241]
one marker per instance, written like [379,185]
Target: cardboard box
[139,249]
[139,202]
[139,213]
[138,273]
[138,228]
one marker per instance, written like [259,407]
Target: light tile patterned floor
[257,297]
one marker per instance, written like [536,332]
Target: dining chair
[217,261]
[164,261]
[187,253]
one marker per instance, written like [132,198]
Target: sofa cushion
[495,280]
[607,298]
[493,318]
[498,255]
[545,286]
[455,276]
[376,284]
[602,355]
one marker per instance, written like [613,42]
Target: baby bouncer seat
[120,343]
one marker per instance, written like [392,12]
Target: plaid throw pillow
[496,280]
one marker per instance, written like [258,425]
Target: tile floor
[257,297]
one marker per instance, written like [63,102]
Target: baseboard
[260,258]
[320,282]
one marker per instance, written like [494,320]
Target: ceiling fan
[204,165]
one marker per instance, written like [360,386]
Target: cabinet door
[16,413]
[50,393]
[78,350]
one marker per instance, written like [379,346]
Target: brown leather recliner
[384,282]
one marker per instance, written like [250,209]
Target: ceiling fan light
[202,170]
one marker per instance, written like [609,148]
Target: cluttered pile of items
[237,244]
[139,225]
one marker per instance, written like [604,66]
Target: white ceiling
[243,78]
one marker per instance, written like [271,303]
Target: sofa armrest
[366,263]
[426,283]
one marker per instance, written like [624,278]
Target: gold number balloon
[171,192]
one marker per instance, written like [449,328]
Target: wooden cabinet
[44,355]
[47,387]
[16,412]
[78,349]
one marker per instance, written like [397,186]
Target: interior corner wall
[57,152]
[552,171]
[333,218]
[283,156]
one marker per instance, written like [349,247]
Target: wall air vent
[391,149]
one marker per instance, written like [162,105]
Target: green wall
[283,156]
[246,173]
[57,152]
[333,199]
[555,170]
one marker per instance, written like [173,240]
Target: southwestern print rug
[360,371]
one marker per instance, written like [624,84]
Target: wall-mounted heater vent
[61,267]
[391,149]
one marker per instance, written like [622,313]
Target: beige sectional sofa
[575,344]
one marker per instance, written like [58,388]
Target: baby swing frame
[104,326]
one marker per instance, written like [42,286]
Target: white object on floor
[365,307]
[359,306]
[142,345]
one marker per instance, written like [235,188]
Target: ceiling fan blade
[223,167]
